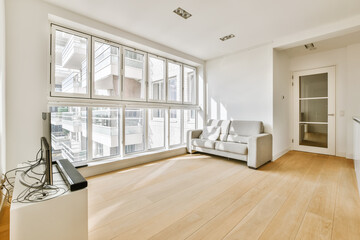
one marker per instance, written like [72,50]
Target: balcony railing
[72,151]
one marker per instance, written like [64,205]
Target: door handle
[331,114]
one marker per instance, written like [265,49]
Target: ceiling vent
[310,46]
[227,37]
[182,13]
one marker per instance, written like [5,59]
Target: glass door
[314,99]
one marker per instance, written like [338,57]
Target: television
[46,153]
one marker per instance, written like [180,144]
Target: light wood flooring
[299,196]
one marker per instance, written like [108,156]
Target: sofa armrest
[190,135]
[260,150]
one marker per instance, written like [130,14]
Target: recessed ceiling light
[182,13]
[227,37]
[310,46]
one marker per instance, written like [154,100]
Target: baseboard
[96,168]
[280,154]
[357,173]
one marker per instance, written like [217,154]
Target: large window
[156,128]
[156,79]
[69,133]
[105,132]
[174,82]
[121,100]
[71,63]
[134,130]
[106,79]
[134,75]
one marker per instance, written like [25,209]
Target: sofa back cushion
[210,133]
[240,129]
[224,127]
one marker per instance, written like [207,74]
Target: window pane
[189,121]
[313,110]
[314,85]
[175,126]
[189,85]
[134,80]
[174,82]
[315,135]
[134,130]
[69,133]
[71,63]
[106,69]
[156,79]
[156,131]
[105,132]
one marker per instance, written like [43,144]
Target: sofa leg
[259,166]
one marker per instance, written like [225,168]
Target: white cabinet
[59,218]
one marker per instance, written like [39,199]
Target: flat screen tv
[46,154]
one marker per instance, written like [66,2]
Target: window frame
[93,95]
[148,119]
[145,75]
[195,85]
[165,79]
[88,37]
[181,127]
[181,82]
[124,154]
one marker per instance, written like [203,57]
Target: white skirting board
[280,154]
[357,173]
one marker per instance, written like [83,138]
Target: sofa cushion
[239,148]
[210,133]
[246,128]
[224,126]
[204,143]
[238,139]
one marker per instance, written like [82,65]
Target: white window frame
[195,85]
[55,28]
[148,119]
[165,79]
[183,122]
[144,74]
[90,133]
[93,95]
[144,127]
[181,127]
[181,82]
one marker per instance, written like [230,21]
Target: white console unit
[59,218]
[357,149]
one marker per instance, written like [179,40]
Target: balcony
[133,69]
[71,83]
[74,52]
[106,135]
[106,68]
[72,151]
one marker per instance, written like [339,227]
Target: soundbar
[71,176]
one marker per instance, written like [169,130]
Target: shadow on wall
[219,110]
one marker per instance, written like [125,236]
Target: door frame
[331,149]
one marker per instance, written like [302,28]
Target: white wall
[239,86]
[27,68]
[2,88]
[339,58]
[281,102]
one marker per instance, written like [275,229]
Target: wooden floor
[299,196]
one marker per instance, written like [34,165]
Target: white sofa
[241,140]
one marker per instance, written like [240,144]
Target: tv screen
[46,147]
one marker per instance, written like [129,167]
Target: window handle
[331,114]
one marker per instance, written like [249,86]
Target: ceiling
[254,22]
[325,45]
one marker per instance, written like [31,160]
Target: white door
[314,110]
